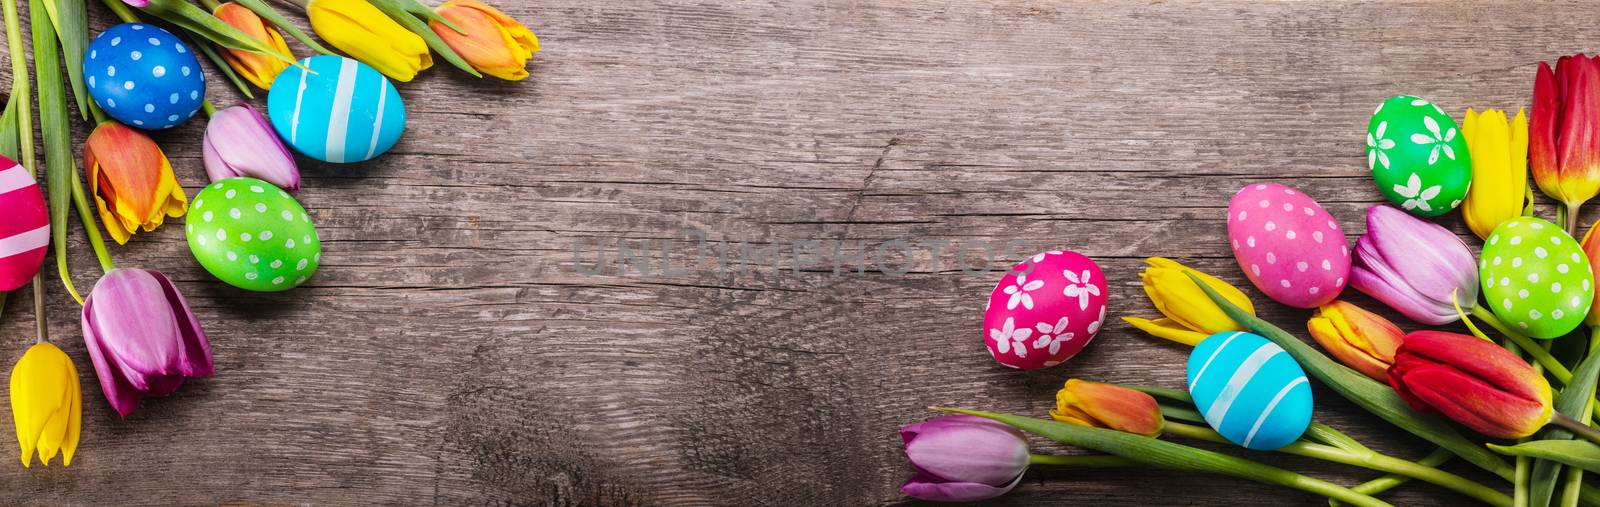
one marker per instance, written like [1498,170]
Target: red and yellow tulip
[493,43]
[1473,382]
[1564,130]
[1098,405]
[132,181]
[1360,339]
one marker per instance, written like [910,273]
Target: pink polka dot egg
[1287,245]
[1045,310]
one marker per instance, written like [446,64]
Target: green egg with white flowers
[1535,277]
[253,235]
[1417,156]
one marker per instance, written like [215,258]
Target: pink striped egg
[25,231]
[1045,310]
[1289,247]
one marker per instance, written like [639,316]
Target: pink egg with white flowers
[25,231]
[1045,310]
[1287,245]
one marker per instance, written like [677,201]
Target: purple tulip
[963,458]
[142,337]
[137,3]
[1414,266]
[239,142]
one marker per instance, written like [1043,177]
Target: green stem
[21,91]
[90,226]
[210,109]
[1570,492]
[1387,482]
[211,4]
[1371,460]
[1081,461]
[1521,487]
[121,10]
[1527,344]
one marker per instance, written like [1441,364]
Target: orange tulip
[256,68]
[1360,339]
[493,43]
[1591,249]
[132,180]
[1111,406]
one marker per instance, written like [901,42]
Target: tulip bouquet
[141,336]
[1533,284]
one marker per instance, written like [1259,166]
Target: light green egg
[1418,156]
[253,235]
[1535,277]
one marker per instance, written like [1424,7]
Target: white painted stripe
[339,119]
[1236,383]
[1270,406]
[377,124]
[15,177]
[299,98]
[1214,354]
[25,242]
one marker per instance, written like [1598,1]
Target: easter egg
[1045,310]
[1535,277]
[1249,390]
[343,112]
[252,235]
[144,76]
[1418,156]
[1287,245]
[25,232]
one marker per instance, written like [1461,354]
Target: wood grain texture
[449,351]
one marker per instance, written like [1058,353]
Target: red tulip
[1564,130]
[1473,382]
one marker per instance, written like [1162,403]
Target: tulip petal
[1108,406]
[69,445]
[369,35]
[1473,382]
[1543,161]
[44,388]
[1167,329]
[926,488]
[493,43]
[1474,403]
[118,391]
[239,142]
[969,452]
[195,354]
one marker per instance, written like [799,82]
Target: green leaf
[71,22]
[222,65]
[1376,398]
[398,12]
[1579,453]
[1574,402]
[10,144]
[1178,395]
[1173,456]
[417,8]
[202,23]
[1182,414]
[272,16]
[60,167]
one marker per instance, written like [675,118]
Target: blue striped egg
[343,111]
[1250,390]
[144,76]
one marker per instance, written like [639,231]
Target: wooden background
[450,352]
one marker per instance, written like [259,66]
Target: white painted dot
[1333,225]
[172,117]
[316,257]
[1308,211]
[180,47]
[231,193]
[1250,240]
[158,71]
[1555,239]
[1562,268]
[255,259]
[1289,234]
[1505,303]
[234,212]
[1555,287]
[111,71]
[222,234]
[1516,240]
[149,108]
[265,235]
[289,243]
[1522,293]
[1495,239]
[1288,206]
[1505,280]
[1535,225]
[1285,283]
[1316,236]
[202,240]
[127,85]
[1255,269]
[1314,290]
[1534,314]
[1243,214]
[1523,325]
[1235,244]
[275,264]
[1540,252]
[257,189]
[94,54]
[1272,258]
[1557,314]
[1339,282]
[1490,282]
[1344,250]
[1327,266]
[287,215]
[172,99]
[91,81]
[1272,226]
[277,280]
[1261,187]
[306,239]
[185,70]
[261,208]
[1302,266]
[300,266]
[1516,262]
[116,40]
[250,276]
[136,27]
[154,41]
[1263,203]
[1533,278]
[1576,302]
[244,236]
[207,216]
[135,55]
[193,94]
[301,279]
[233,256]
[1497,260]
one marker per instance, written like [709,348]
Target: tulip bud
[132,181]
[239,142]
[1190,315]
[1499,188]
[963,459]
[369,35]
[1111,406]
[1471,381]
[1591,250]
[1360,339]
[46,404]
[493,43]
[142,337]
[256,68]
[1414,266]
[1564,130]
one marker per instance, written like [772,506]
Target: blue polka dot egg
[342,111]
[144,76]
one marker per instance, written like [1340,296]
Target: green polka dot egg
[1535,277]
[1418,156]
[253,235]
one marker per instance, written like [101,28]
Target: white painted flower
[1052,336]
[1019,292]
[1440,141]
[1376,147]
[1039,257]
[1416,196]
[1008,337]
[1094,327]
[1079,287]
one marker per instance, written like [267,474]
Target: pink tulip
[963,459]
[142,337]
[239,142]
[1414,266]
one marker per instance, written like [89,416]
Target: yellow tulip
[1499,189]
[369,35]
[132,180]
[1190,315]
[46,404]
[256,68]
[494,43]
